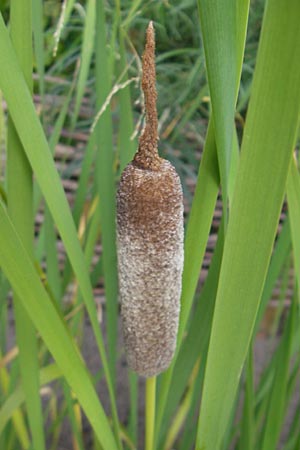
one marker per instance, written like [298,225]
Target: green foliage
[228,77]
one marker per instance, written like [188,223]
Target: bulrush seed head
[150,243]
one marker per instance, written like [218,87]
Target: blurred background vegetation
[65,87]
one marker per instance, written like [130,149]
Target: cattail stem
[150,412]
[147,155]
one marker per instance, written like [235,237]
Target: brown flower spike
[150,243]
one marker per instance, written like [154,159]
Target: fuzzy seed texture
[150,245]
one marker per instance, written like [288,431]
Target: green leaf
[20,186]
[269,136]
[106,186]
[276,407]
[85,56]
[30,132]
[17,397]
[200,219]
[22,275]
[246,441]
[218,26]
[293,198]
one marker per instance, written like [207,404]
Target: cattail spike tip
[147,155]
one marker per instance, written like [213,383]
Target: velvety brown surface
[150,261]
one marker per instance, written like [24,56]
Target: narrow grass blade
[53,273]
[269,135]
[276,409]
[205,197]
[38,34]
[201,215]
[23,277]
[106,186]
[80,196]
[183,409]
[17,397]
[127,146]
[246,440]
[85,56]
[66,9]
[18,421]
[133,414]
[280,254]
[218,26]
[19,186]
[75,426]
[293,198]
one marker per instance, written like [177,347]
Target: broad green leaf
[218,26]
[269,136]
[200,218]
[22,275]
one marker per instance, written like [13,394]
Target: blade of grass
[276,408]
[246,440]
[127,146]
[206,190]
[106,187]
[260,184]
[189,432]
[66,9]
[37,27]
[17,415]
[293,198]
[23,277]
[279,257]
[81,192]
[218,26]
[53,273]
[17,397]
[75,426]
[85,57]
[31,134]
[19,186]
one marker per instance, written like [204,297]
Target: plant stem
[150,412]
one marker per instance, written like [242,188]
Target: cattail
[150,243]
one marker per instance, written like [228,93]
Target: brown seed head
[150,244]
